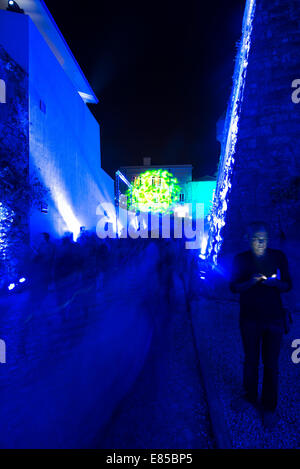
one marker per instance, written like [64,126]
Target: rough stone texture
[14,154]
[266,176]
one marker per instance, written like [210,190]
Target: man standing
[259,275]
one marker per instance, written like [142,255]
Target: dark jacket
[259,301]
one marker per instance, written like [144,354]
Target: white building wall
[64,141]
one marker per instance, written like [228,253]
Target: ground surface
[65,377]
[167,406]
[122,369]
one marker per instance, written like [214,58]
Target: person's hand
[271,282]
[258,278]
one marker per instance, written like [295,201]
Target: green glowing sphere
[155,190]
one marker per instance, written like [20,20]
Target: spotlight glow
[67,213]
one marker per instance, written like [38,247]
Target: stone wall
[266,175]
[14,151]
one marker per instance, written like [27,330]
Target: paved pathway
[167,407]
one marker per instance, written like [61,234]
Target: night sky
[162,73]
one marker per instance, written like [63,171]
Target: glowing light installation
[217,216]
[156,190]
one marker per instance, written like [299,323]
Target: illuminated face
[259,243]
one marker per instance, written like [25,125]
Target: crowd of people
[76,271]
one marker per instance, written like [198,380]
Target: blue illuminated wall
[14,151]
[266,172]
[64,137]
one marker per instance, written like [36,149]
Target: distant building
[200,191]
[45,121]
[183,173]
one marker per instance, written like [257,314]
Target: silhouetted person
[67,268]
[259,275]
[103,262]
[41,271]
[40,276]
[165,270]
[87,294]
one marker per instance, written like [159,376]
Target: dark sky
[162,73]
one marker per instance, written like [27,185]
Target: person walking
[260,275]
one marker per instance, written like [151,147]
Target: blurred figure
[165,270]
[259,275]
[89,272]
[40,276]
[67,266]
[41,271]
[103,263]
[189,273]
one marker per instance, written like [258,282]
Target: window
[181,197]
[156,181]
[136,180]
